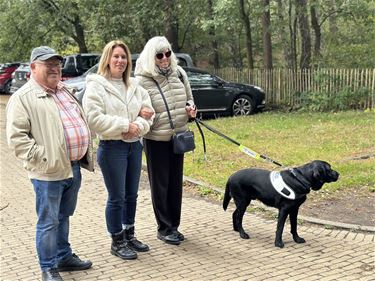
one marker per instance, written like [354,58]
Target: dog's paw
[244,235]
[298,239]
[279,244]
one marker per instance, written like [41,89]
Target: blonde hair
[153,46]
[106,58]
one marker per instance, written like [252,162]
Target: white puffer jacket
[177,93]
[109,113]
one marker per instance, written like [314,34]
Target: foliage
[29,23]
[344,99]
[351,45]
[292,139]
[337,96]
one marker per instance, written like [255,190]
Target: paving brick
[212,250]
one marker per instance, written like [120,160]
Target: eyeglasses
[160,56]
[50,64]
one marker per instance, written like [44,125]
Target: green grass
[292,139]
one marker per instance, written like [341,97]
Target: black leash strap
[243,148]
[203,139]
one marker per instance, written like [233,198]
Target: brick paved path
[212,251]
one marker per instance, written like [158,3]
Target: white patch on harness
[280,186]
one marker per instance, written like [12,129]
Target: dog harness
[280,186]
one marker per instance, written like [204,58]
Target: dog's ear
[318,174]
[320,169]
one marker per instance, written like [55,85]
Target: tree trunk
[214,58]
[79,36]
[304,28]
[293,37]
[246,22]
[332,18]
[283,31]
[318,35]
[65,21]
[267,44]
[171,24]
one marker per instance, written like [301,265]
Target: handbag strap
[170,118]
[165,102]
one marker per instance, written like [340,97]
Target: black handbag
[182,141]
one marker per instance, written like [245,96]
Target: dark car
[79,83]
[20,77]
[6,71]
[213,95]
[77,64]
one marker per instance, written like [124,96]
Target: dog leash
[243,148]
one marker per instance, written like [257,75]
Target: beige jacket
[109,113]
[177,94]
[36,135]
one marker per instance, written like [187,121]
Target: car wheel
[242,105]
[7,87]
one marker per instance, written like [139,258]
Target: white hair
[146,60]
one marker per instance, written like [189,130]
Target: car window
[69,62]
[196,78]
[88,61]
[182,62]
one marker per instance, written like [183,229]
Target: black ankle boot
[120,249]
[132,242]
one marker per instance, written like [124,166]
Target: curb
[313,220]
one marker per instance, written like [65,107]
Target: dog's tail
[227,197]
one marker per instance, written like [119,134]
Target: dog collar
[280,186]
[305,184]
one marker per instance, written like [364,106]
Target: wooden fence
[284,86]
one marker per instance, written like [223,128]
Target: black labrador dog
[285,190]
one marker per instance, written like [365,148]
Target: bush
[344,99]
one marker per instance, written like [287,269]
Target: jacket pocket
[38,162]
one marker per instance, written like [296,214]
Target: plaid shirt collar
[59,87]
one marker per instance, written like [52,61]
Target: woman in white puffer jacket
[119,111]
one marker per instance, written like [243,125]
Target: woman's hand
[146,113]
[133,132]
[191,111]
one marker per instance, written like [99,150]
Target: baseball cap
[43,53]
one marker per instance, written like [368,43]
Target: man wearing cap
[46,128]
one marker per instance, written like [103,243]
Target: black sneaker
[169,239]
[73,263]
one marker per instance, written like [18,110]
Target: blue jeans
[55,202]
[121,165]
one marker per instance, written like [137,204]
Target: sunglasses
[160,56]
